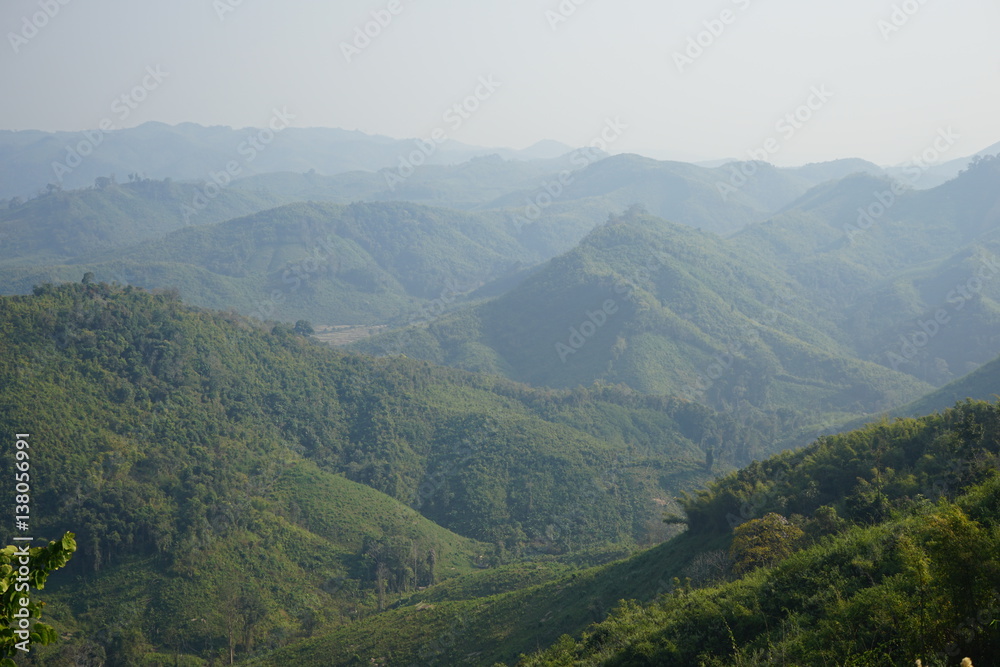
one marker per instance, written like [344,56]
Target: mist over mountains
[489,400]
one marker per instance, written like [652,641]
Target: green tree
[23,569]
[763,542]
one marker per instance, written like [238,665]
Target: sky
[803,81]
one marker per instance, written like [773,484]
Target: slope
[881,264]
[865,542]
[331,264]
[869,572]
[664,309]
[982,384]
[182,446]
[61,225]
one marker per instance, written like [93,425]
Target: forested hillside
[870,548]
[330,264]
[179,445]
[873,547]
[915,286]
[499,334]
[58,226]
[425,513]
[665,309]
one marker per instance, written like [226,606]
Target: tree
[304,328]
[23,569]
[763,542]
[432,565]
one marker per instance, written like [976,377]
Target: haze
[231,63]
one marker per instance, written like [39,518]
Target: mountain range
[597,409]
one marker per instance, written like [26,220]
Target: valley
[323,423]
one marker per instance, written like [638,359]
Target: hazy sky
[230,62]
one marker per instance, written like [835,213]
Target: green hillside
[181,445]
[665,309]
[495,627]
[926,256]
[327,263]
[871,579]
[890,554]
[58,226]
[981,385]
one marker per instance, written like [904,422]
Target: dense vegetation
[930,255]
[877,573]
[180,444]
[896,557]
[242,493]
[327,263]
[664,309]
[57,226]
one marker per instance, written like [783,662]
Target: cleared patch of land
[345,334]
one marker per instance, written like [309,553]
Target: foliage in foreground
[901,563]
[182,446]
[24,569]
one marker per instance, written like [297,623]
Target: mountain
[575,183]
[723,199]
[327,263]
[468,185]
[685,193]
[873,544]
[868,568]
[835,170]
[665,309]
[29,160]
[884,264]
[194,454]
[545,149]
[938,174]
[982,384]
[59,226]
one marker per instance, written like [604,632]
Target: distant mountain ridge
[664,309]
[31,159]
